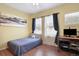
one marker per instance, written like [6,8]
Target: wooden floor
[42,50]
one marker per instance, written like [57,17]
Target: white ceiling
[30,8]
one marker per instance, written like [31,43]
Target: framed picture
[12,21]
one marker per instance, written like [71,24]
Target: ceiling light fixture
[35,4]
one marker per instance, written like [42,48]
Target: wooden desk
[70,39]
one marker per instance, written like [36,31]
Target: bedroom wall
[8,33]
[62,9]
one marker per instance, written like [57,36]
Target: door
[49,32]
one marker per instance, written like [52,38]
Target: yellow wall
[62,9]
[10,33]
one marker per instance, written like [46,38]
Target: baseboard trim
[3,48]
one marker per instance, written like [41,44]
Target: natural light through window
[49,28]
[38,26]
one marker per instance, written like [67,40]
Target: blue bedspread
[20,46]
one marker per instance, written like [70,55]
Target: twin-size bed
[20,46]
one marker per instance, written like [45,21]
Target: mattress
[20,46]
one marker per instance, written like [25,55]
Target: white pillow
[33,36]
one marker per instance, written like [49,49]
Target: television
[70,32]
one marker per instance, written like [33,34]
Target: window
[49,28]
[72,18]
[38,26]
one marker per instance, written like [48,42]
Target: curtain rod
[46,15]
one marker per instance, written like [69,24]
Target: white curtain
[49,28]
[38,26]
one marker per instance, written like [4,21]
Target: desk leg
[58,45]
